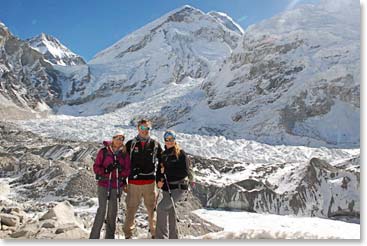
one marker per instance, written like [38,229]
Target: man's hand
[124,188]
[162,168]
[160,184]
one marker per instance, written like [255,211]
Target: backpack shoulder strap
[132,146]
[154,154]
[104,151]
[155,150]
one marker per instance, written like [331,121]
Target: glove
[109,168]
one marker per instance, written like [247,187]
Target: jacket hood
[107,143]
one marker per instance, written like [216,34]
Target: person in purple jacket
[112,167]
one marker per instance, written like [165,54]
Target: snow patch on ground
[245,225]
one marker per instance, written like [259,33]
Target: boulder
[9,220]
[8,228]
[63,213]
[21,234]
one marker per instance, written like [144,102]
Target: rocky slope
[315,188]
[28,83]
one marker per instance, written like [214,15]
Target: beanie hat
[169,133]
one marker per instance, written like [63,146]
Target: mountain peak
[54,51]
[2,24]
[180,14]
[44,36]
[186,9]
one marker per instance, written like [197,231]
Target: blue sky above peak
[87,27]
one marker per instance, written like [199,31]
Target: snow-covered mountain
[179,48]
[53,51]
[295,76]
[292,79]
[28,83]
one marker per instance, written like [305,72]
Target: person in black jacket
[172,178]
[145,154]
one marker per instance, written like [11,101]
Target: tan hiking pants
[133,198]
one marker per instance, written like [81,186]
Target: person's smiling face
[144,130]
[117,141]
[169,142]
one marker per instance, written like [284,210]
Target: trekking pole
[108,200]
[173,203]
[118,193]
[170,195]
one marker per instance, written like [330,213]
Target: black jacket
[176,169]
[142,163]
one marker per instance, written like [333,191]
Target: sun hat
[118,133]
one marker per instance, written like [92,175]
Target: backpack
[155,149]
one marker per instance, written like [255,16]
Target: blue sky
[87,27]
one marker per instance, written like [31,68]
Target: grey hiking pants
[166,213]
[101,214]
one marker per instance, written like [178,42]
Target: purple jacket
[99,167]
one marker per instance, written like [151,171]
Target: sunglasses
[119,138]
[144,128]
[171,140]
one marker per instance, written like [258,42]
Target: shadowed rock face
[26,79]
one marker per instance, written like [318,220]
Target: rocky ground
[48,190]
